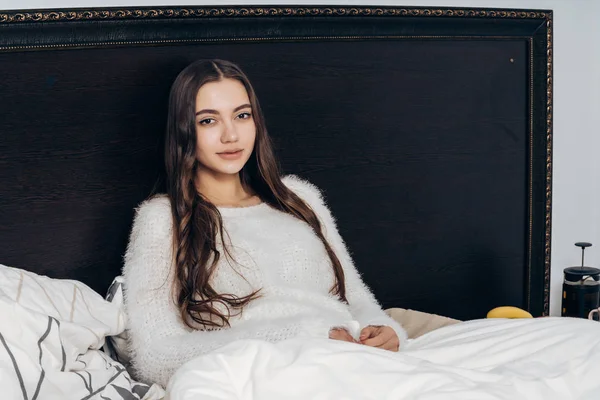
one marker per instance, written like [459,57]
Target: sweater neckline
[242,210]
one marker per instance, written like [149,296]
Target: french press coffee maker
[581,288]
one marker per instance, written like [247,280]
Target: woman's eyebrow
[211,111]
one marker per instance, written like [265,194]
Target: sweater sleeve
[364,307]
[159,341]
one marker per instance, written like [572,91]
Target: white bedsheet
[546,358]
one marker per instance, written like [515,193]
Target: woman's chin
[227,170]
[224,168]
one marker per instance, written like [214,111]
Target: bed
[428,129]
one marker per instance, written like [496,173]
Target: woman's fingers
[377,341]
[393,344]
[382,337]
[341,334]
[368,332]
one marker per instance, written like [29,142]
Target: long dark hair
[197,223]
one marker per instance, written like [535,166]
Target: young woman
[233,250]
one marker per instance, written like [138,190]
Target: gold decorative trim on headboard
[238,12]
[548,213]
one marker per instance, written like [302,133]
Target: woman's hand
[382,337]
[341,334]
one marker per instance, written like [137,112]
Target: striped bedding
[51,335]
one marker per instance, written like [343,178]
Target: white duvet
[546,358]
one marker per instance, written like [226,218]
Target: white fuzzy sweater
[273,251]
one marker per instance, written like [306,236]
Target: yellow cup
[508,312]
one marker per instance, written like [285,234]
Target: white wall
[576,170]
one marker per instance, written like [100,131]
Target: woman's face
[225,129]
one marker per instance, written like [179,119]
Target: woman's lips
[231,155]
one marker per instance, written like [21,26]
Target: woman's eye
[206,121]
[244,115]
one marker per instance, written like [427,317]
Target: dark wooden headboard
[429,131]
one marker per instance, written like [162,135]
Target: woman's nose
[229,133]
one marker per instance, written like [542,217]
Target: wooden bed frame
[429,131]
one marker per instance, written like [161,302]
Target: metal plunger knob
[583,245]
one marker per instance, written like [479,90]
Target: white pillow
[51,331]
[116,345]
